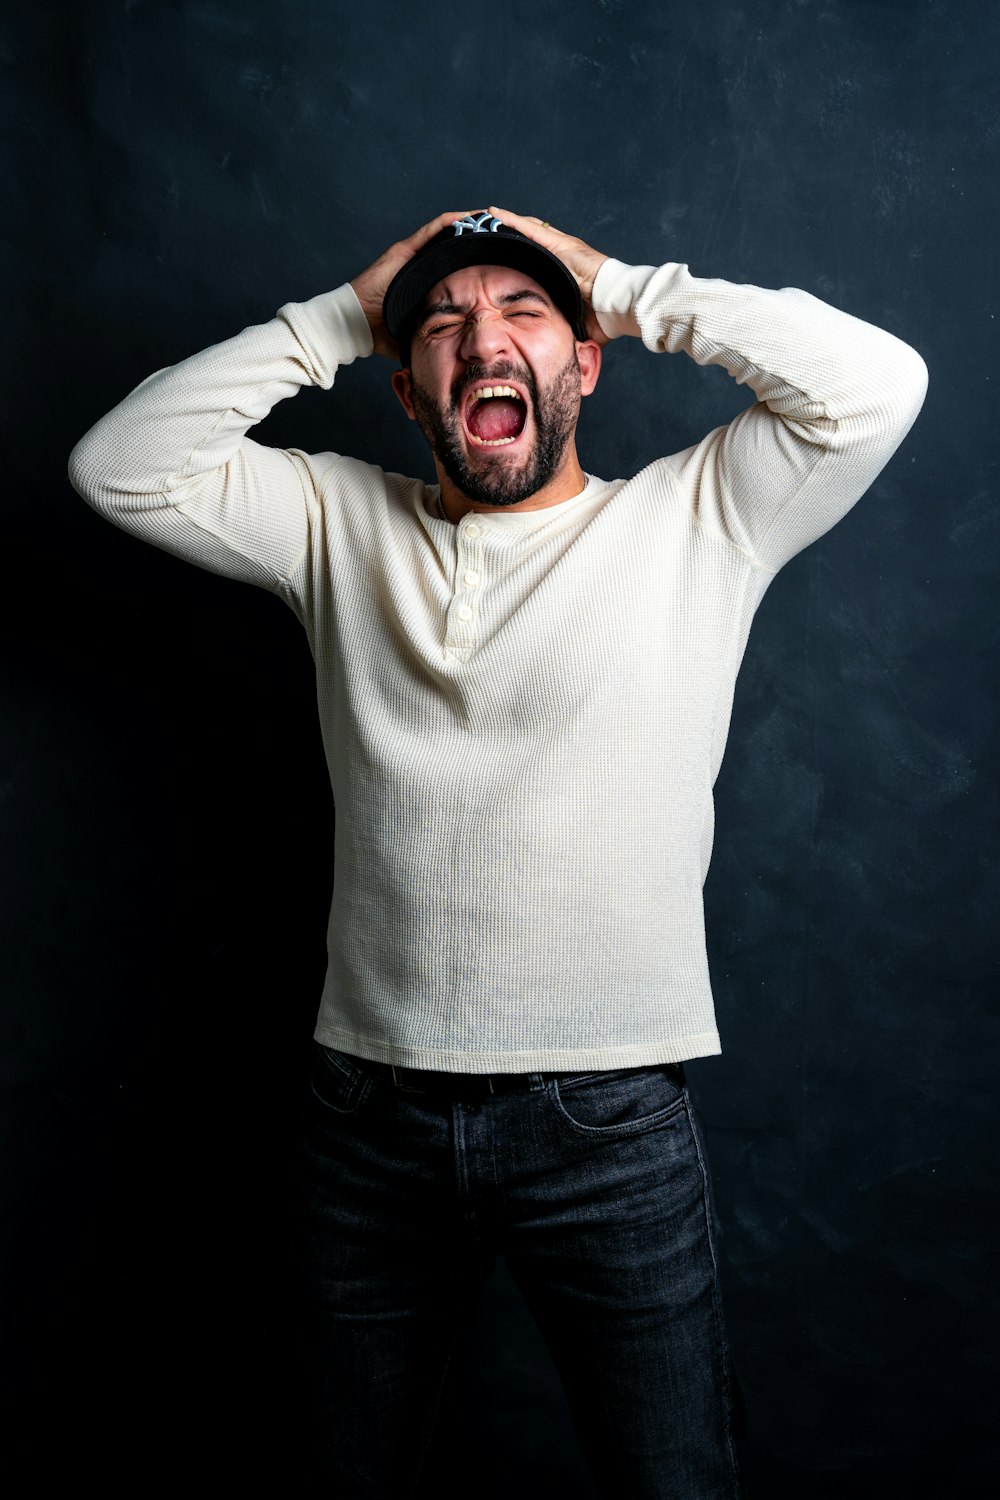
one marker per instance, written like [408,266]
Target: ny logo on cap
[483,223]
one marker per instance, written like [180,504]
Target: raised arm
[172,463]
[835,395]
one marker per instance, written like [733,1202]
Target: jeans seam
[358,1085]
[336,1060]
[624,1128]
[717,1309]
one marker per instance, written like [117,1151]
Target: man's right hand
[371,286]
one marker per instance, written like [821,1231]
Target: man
[525,676]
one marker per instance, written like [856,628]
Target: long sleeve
[172,463]
[836,397]
[470,694]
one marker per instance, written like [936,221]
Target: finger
[428,231]
[509,213]
[535,228]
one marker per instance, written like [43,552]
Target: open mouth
[494,415]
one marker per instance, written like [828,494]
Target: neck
[569,481]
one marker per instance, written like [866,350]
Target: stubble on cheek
[496,480]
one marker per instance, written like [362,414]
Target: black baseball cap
[478,239]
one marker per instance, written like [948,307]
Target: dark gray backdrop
[174,171]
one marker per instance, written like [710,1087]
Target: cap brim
[410,286]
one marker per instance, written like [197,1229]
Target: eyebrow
[446,309]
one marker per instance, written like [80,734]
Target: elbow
[905,380]
[81,471]
[914,379]
[88,473]
[899,391]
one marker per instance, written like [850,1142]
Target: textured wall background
[176,169]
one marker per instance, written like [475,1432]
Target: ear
[588,354]
[401,385]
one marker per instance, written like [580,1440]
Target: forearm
[838,395]
[807,360]
[172,462]
[185,421]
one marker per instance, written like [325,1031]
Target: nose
[484,337]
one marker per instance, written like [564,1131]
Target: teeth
[487,392]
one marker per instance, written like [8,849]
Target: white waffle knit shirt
[523,714]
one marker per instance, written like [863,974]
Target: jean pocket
[337,1081]
[625,1101]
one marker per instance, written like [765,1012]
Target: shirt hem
[544,1059]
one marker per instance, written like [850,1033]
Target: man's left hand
[578,257]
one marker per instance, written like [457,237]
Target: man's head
[496,360]
[476,239]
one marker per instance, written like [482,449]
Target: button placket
[464,609]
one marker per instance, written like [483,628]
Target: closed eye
[430,330]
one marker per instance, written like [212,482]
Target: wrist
[617,287]
[332,326]
[587,281]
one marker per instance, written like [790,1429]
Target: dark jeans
[594,1188]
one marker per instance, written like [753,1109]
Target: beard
[498,481]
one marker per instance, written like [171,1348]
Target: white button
[465,613]
[473,530]
[471,577]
